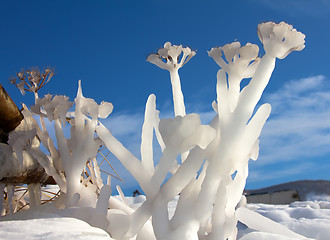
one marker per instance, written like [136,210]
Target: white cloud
[299,125]
[124,124]
[307,94]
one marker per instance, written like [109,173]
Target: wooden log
[10,115]
[10,118]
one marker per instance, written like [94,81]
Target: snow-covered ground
[50,228]
[309,218]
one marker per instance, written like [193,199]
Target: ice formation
[208,200]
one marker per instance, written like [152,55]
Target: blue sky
[105,44]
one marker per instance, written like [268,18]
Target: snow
[310,219]
[260,223]
[50,228]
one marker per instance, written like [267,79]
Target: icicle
[147,135]
[10,195]
[33,201]
[2,198]
[122,196]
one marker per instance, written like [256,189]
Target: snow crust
[52,228]
[310,219]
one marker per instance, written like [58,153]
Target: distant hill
[303,187]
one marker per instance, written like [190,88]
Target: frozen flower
[172,58]
[52,108]
[61,106]
[280,39]
[91,108]
[32,80]
[169,57]
[105,108]
[20,86]
[21,141]
[22,138]
[39,105]
[183,133]
[240,61]
[231,50]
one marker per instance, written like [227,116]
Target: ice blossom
[183,133]
[32,79]
[21,141]
[91,108]
[241,61]
[52,107]
[280,39]
[171,54]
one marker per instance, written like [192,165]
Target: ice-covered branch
[241,62]
[130,162]
[172,58]
[175,56]
[32,80]
[278,40]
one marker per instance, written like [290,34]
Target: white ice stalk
[130,162]
[34,195]
[147,134]
[45,161]
[179,106]
[172,58]
[239,63]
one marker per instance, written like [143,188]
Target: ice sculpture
[221,150]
